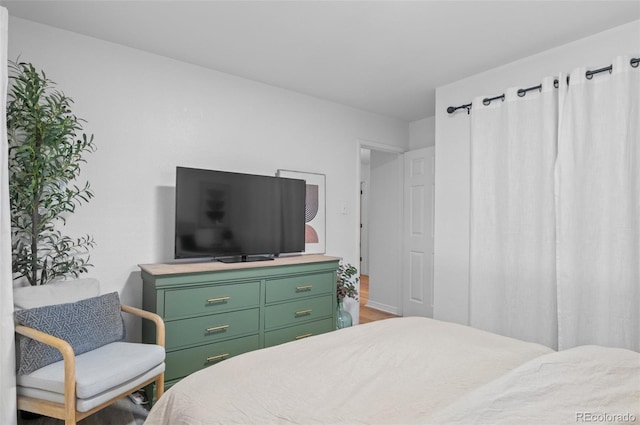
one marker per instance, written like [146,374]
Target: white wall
[422,133]
[451,275]
[365,180]
[385,231]
[149,113]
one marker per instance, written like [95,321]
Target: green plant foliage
[44,162]
[347,277]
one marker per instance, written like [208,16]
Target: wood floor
[368,314]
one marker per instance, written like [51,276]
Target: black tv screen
[232,216]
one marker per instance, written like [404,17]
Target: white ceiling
[382,56]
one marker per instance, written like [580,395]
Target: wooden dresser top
[210,266]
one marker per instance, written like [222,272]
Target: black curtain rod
[634,62]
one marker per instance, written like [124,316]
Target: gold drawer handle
[216,358]
[303,312]
[217,329]
[304,336]
[304,288]
[218,300]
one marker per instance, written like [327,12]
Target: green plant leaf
[44,157]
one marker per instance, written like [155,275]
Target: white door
[418,232]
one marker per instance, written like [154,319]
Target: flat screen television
[234,217]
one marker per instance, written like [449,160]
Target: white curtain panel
[512,245]
[7,353]
[598,213]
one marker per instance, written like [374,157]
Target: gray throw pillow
[86,325]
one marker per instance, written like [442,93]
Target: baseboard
[382,307]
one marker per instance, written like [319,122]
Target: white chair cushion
[65,291]
[99,370]
[86,404]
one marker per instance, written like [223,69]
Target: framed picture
[314,229]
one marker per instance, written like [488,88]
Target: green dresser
[214,311]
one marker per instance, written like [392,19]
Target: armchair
[71,356]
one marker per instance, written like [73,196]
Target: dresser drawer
[290,288]
[210,299]
[293,333]
[298,311]
[184,362]
[212,328]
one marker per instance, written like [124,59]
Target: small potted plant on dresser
[347,278]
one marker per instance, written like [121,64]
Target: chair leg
[70,417]
[159,386]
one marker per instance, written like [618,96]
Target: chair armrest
[149,316]
[68,357]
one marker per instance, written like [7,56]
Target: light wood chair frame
[67,410]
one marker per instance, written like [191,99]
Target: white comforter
[586,384]
[395,371]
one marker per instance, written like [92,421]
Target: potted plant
[347,278]
[44,163]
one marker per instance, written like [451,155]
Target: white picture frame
[315,209]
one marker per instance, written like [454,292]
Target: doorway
[380,228]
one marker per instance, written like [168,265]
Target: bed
[406,371]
